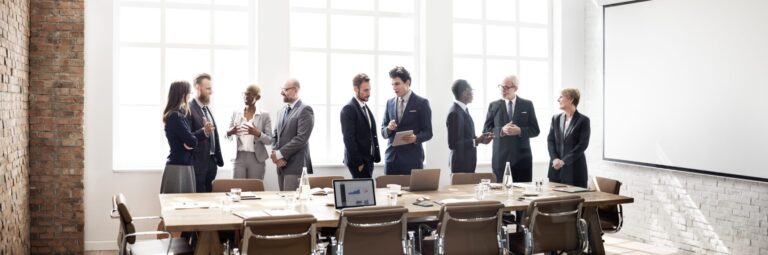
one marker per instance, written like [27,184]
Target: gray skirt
[178,179]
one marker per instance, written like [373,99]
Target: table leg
[595,233]
[208,243]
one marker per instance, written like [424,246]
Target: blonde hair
[255,90]
[573,94]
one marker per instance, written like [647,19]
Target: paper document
[191,205]
[399,137]
[280,212]
[250,214]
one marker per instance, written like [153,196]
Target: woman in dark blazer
[568,139]
[178,176]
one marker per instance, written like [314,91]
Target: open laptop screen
[354,193]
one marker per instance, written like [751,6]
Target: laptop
[354,193]
[424,179]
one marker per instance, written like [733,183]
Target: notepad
[399,137]
[280,212]
[191,205]
[250,214]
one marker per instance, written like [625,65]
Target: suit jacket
[461,136]
[511,148]
[570,148]
[178,133]
[202,151]
[261,121]
[359,136]
[291,138]
[417,116]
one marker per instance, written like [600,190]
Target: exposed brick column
[56,126]
[14,127]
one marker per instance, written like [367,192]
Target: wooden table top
[214,218]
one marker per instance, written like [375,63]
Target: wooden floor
[613,245]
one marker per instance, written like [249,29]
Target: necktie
[211,138]
[400,108]
[510,110]
[285,116]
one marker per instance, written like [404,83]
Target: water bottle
[507,180]
[304,185]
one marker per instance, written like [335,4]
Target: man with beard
[208,152]
[290,141]
[361,145]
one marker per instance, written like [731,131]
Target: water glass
[225,203]
[393,190]
[235,194]
[539,184]
[290,200]
[480,192]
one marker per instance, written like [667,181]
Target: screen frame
[336,203]
[653,165]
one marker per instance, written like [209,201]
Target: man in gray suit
[290,151]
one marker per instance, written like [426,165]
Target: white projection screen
[686,85]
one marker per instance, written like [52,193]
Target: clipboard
[399,137]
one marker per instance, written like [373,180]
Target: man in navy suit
[513,123]
[461,131]
[361,144]
[208,152]
[406,111]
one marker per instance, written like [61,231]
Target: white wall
[697,214]
[141,188]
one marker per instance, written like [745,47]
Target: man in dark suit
[461,131]
[406,111]
[208,152]
[513,122]
[290,151]
[361,144]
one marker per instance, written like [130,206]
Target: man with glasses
[513,122]
[405,112]
[290,141]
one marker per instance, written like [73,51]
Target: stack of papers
[455,200]
[191,205]
[250,214]
[321,191]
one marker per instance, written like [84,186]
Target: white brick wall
[698,214]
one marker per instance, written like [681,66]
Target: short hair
[458,88]
[572,93]
[200,77]
[295,83]
[359,79]
[255,90]
[400,72]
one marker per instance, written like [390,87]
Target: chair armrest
[170,239]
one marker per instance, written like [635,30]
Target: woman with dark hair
[178,176]
[568,139]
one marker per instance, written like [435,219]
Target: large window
[496,38]
[333,40]
[158,42]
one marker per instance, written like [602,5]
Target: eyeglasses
[501,86]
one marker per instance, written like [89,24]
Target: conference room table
[201,212]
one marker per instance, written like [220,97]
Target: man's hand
[281,163]
[409,138]
[510,129]
[360,168]
[253,130]
[208,126]
[273,157]
[557,163]
[488,137]
[391,126]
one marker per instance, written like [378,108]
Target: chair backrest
[372,230]
[323,181]
[126,220]
[558,216]
[471,178]
[291,234]
[469,228]
[224,185]
[402,180]
[424,180]
[611,216]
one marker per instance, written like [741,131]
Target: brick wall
[14,157]
[56,126]
[698,214]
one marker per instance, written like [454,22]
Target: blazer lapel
[574,122]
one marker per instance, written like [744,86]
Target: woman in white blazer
[252,128]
